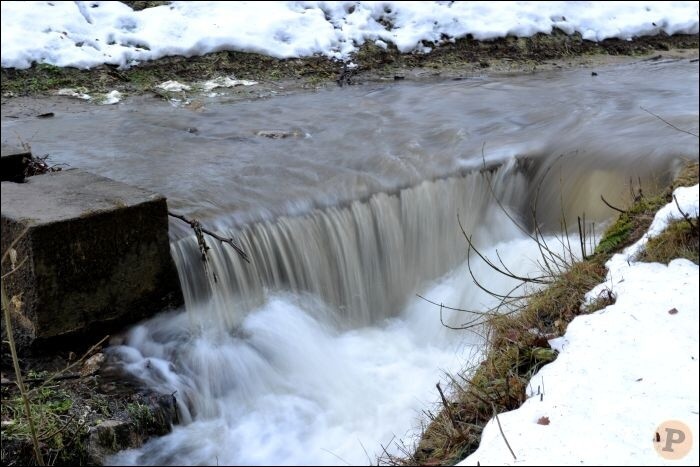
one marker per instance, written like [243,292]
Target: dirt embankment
[464,58]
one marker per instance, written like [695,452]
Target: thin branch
[58,430]
[18,375]
[369,459]
[197,226]
[15,268]
[541,243]
[685,216]
[14,242]
[562,215]
[621,211]
[451,416]
[582,236]
[454,309]
[559,261]
[482,287]
[669,123]
[489,262]
[500,260]
[498,201]
[57,375]
[42,381]
[503,434]
[336,456]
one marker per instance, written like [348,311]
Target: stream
[349,203]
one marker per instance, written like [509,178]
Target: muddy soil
[464,58]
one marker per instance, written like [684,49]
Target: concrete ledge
[14,163]
[97,255]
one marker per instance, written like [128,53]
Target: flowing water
[319,351]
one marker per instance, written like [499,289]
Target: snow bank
[622,371]
[85,34]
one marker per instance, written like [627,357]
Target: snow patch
[173,86]
[226,82]
[620,373]
[85,35]
[111,97]
[70,92]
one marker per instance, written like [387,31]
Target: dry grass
[518,349]
[679,240]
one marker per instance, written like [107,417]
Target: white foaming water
[290,386]
[364,259]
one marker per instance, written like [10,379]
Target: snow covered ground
[620,374]
[85,34]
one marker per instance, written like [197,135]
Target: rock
[107,438]
[279,134]
[96,252]
[147,416]
[92,365]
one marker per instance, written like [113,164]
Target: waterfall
[363,259]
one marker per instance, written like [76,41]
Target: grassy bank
[518,343]
[80,416]
[463,57]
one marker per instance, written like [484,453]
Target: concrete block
[14,161]
[97,255]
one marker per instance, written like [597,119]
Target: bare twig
[685,216]
[621,211]
[582,236]
[454,309]
[11,271]
[14,242]
[15,359]
[562,216]
[491,292]
[490,263]
[369,459]
[198,229]
[18,375]
[58,430]
[334,455]
[42,381]
[669,123]
[38,165]
[57,375]
[450,415]
[503,434]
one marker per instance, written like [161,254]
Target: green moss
[50,407]
[617,234]
[632,224]
[141,415]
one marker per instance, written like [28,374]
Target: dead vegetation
[679,240]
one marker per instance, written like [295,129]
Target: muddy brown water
[236,162]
